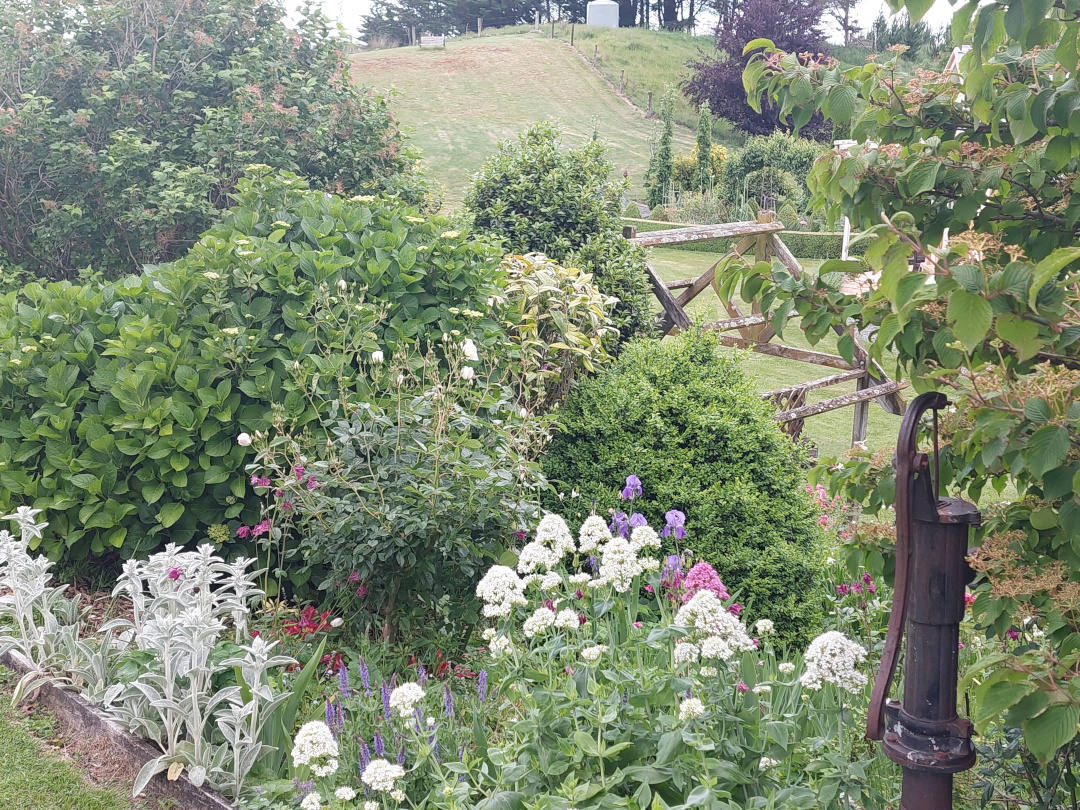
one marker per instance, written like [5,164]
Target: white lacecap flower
[764,627]
[691,708]
[468,348]
[313,742]
[833,658]
[467,372]
[762,689]
[405,697]
[555,534]
[594,532]
[311,802]
[786,668]
[767,762]
[685,653]
[381,775]
[535,555]
[538,622]
[244,440]
[500,589]
[345,793]
[593,653]
[337,622]
[567,619]
[619,564]
[377,356]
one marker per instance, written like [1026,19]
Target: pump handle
[907,461]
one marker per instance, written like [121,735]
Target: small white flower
[553,533]
[644,537]
[468,348]
[786,668]
[501,589]
[686,652]
[833,658]
[594,531]
[405,697]
[523,413]
[397,795]
[500,647]
[766,762]
[244,440]
[467,372]
[535,555]
[762,689]
[691,708]
[377,356]
[579,579]
[381,775]
[489,633]
[371,805]
[342,284]
[567,619]
[345,793]
[619,564]
[550,581]
[593,653]
[431,722]
[764,627]
[311,802]
[329,768]
[708,672]
[338,622]
[312,743]
[541,620]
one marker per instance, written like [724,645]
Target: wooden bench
[433,42]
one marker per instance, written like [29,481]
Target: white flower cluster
[550,582]
[316,747]
[579,579]
[381,775]
[541,620]
[501,646]
[535,555]
[833,658]
[594,532]
[567,619]
[619,564]
[553,541]
[767,762]
[762,689]
[643,537]
[311,802]
[686,653]
[593,653]
[691,708]
[764,627]
[501,589]
[405,697]
[724,635]
[786,668]
[346,794]
[370,805]
[708,672]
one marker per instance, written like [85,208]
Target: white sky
[349,12]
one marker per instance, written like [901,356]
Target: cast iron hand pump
[922,733]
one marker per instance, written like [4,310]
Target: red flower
[310,622]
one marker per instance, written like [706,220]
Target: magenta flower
[866,578]
[260,528]
[1013,635]
[279,493]
[299,471]
[676,521]
[735,610]
[311,482]
[175,573]
[287,505]
[649,589]
[742,687]
[843,590]
[260,481]
[362,591]
[243,531]
[632,489]
[354,576]
[703,577]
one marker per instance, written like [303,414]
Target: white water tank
[602,12]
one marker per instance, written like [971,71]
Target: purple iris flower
[481,685]
[676,522]
[620,524]
[638,519]
[632,489]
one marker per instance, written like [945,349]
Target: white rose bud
[469,348]
[524,413]
[400,379]
[296,365]
[244,440]
[467,373]
[342,285]
[377,356]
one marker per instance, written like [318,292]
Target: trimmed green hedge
[689,423]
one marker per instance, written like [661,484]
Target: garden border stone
[91,730]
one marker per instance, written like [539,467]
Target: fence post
[762,253]
[412,36]
[622,79]
[571,34]
[479,26]
[553,28]
[650,103]
[536,25]
[595,51]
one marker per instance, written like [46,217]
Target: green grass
[459,103]
[35,777]
[831,431]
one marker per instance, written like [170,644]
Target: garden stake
[922,733]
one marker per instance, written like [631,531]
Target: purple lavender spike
[422,674]
[401,756]
[331,719]
[448,704]
[365,756]
[481,685]
[419,715]
[386,699]
[343,682]
[380,747]
[365,678]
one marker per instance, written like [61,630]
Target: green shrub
[123,400]
[690,425]
[785,153]
[124,124]
[686,166]
[541,198]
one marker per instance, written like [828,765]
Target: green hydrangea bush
[701,441]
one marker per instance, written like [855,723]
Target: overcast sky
[349,12]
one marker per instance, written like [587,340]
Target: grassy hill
[459,103]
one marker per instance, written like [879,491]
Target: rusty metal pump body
[923,733]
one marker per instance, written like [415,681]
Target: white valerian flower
[372,806]
[489,633]
[535,555]
[311,802]
[594,652]
[708,672]
[550,581]
[500,589]
[541,620]
[767,762]
[468,372]
[567,619]
[649,563]
[501,646]
[764,627]
[619,564]
[314,741]
[405,697]
[579,579]
[328,768]
[691,708]
[377,356]
[397,795]
[244,440]
[594,531]
[762,689]
[833,658]
[786,668]
[345,793]
[707,614]
[686,652]
[555,534]
[644,537]
[337,622]
[381,775]
[468,348]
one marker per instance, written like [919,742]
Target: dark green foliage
[703,175]
[124,124]
[541,198]
[789,154]
[122,401]
[661,166]
[689,424]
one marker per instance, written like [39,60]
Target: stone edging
[91,731]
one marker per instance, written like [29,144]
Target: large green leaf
[170,513]
[1021,333]
[1054,727]
[970,317]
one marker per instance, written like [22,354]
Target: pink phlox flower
[703,577]
[260,528]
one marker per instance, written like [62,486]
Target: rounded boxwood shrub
[689,424]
